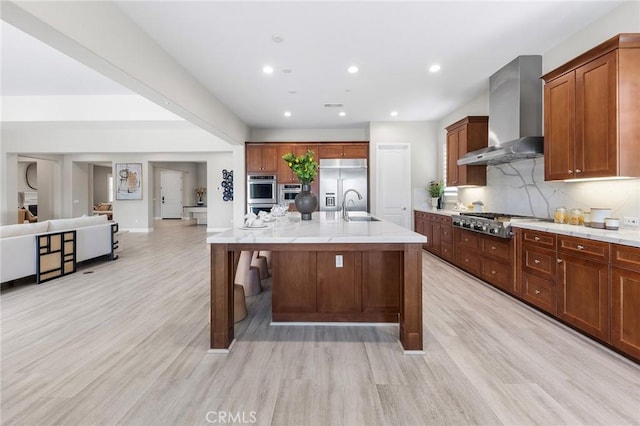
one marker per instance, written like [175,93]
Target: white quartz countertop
[429,209]
[624,236]
[324,228]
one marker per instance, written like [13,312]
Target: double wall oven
[262,193]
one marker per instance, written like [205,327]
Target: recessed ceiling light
[352,69]
[394,113]
[287,70]
[287,113]
[342,113]
[434,68]
[293,92]
[277,38]
[267,69]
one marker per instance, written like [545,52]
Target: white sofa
[94,238]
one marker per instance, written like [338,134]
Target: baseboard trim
[334,324]
[222,351]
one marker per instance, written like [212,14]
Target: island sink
[363,219]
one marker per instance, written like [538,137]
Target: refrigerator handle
[339,194]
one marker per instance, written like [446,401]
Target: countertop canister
[598,215]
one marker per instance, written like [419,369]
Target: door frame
[379,151]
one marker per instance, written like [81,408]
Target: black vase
[306,202]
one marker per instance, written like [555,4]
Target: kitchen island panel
[293,283]
[382,277]
[339,282]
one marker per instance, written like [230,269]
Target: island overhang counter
[325,270]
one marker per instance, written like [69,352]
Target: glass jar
[576,217]
[561,215]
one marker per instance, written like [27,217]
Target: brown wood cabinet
[366,287]
[421,226]
[438,230]
[625,299]
[591,109]
[583,285]
[469,134]
[261,158]
[344,150]
[538,270]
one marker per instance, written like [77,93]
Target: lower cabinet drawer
[446,251]
[539,262]
[499,274]
[468,259]
[539,292]
[497,248]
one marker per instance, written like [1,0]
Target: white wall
[309,135]
[84,143]
[623,19]
[423,138]
[519,187]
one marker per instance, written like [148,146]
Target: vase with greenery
[436,191]
[306,169]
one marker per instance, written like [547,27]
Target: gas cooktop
[496,224]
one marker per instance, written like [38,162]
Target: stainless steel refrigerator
[339,175]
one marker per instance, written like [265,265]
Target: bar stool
[260,263]
[248,276]
[239,304]
[266,255]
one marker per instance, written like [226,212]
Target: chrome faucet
[345,211]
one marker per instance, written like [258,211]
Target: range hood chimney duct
[515,114]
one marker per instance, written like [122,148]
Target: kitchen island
[326,270]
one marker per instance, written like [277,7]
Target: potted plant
[306,169]
[436,190]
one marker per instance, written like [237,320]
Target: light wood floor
[126,344]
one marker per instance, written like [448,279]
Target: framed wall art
[129,181]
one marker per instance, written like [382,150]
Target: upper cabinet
[591,110]
[469,134]
[344,150]
[261,158]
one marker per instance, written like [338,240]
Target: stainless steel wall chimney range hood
[515,114]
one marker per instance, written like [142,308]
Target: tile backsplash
[519,188]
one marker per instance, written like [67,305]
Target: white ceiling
[224,45]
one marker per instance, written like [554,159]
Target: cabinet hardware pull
[537,291]
[493,247]
[570,171]
[578,171]
[493,272]
[536,238]
[559,260]
[466,260]
[536,261]
[580,247]
[466,240]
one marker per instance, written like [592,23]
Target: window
[450,192]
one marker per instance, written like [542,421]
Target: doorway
[171,195]
[393,183]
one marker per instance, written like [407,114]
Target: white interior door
[171,195]
[393,183]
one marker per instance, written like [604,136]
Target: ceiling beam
[99,35]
